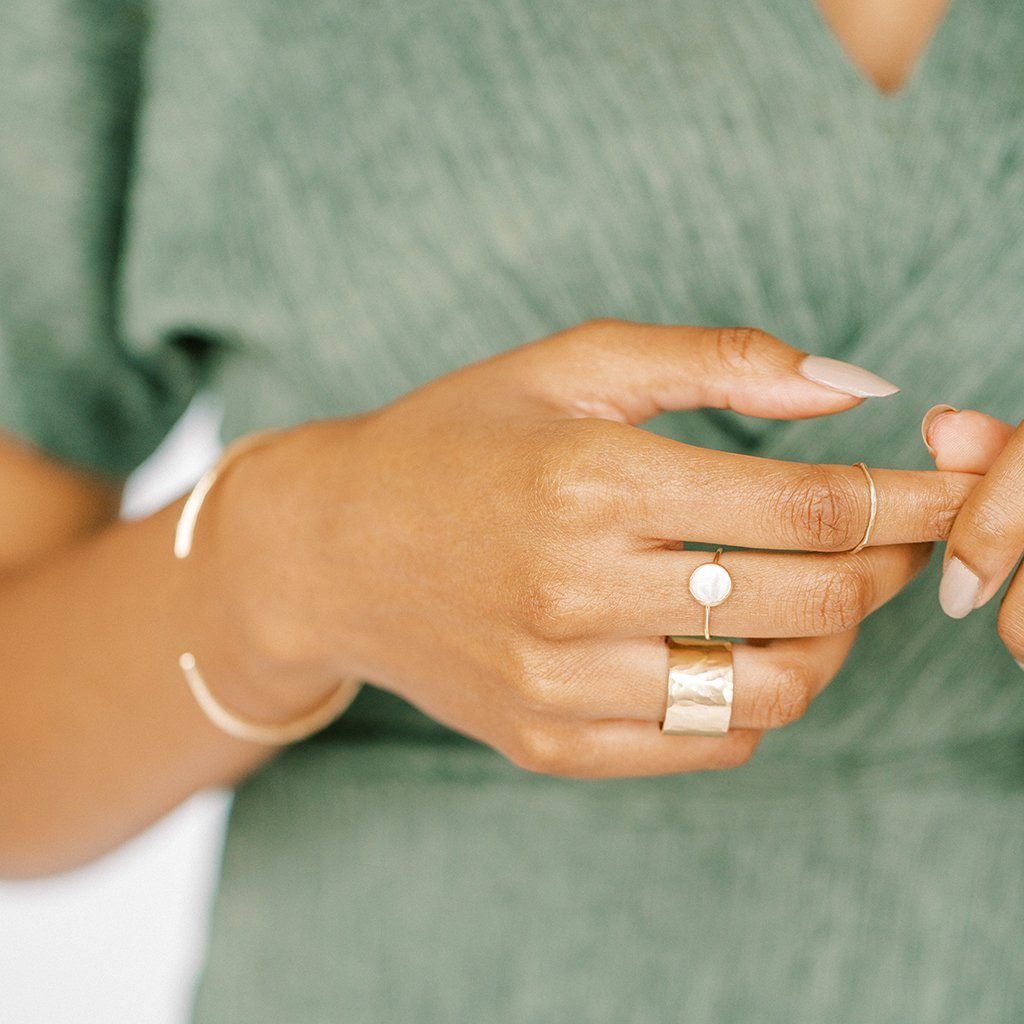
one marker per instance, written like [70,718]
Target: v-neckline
[831,69]
[858,79]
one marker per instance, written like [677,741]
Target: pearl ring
[710,584]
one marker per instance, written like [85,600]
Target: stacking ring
[700,672]
[872,513]
[699,699]
[710,584]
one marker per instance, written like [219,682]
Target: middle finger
[698,494]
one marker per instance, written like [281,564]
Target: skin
[988,534]
[94,610]
[884,39]
[501,547]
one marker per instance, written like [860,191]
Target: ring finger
[774,682]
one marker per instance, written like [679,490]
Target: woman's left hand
[987,538]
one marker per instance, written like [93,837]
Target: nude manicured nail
[845,377]
[958,590]
[928,421]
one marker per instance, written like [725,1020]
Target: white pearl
[710,584]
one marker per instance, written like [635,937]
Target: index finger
[701,495]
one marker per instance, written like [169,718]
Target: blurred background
[120,941]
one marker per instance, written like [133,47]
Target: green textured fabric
[325,203]
[70,381]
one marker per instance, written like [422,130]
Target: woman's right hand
[502,547]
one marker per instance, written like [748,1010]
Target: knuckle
[573,475]
[820,509]
[518,672]
[787,698]
[589,337]
[523,677]
[530,692]
[539,694]
[990,521]
[735,347]
[943,514]
[839,600]
[537,684]
[538,750]
[555,609]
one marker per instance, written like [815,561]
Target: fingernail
[958,589]
[1020,664]
[845,377]
[928,421]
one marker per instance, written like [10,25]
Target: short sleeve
[70,88]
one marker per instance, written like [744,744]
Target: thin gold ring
[873,512]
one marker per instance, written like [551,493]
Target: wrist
[237,597]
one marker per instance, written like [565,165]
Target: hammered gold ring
[699,698]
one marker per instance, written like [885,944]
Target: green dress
[312,207]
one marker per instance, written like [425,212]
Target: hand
[987,538]
[502,547]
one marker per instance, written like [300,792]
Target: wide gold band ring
[699,699]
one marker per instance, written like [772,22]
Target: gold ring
[699,699]
[872,513]
[710,584]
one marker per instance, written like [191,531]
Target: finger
[964,441]
[774,682]
[628,371]
[676,490]
[988,535]
[623,748]
[1011,618]
[773,594]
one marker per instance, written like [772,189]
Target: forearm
[99,734]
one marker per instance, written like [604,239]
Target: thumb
[964,441]
[623,370]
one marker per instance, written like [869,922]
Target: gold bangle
[271,734]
